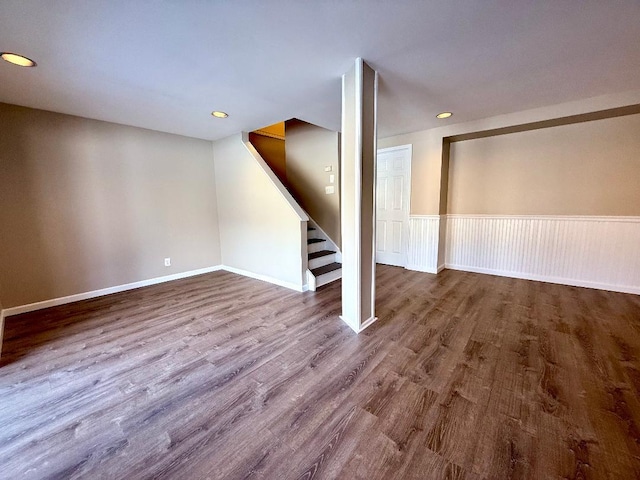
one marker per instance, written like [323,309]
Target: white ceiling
[165,65]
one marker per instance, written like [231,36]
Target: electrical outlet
[167,262]
[329,190]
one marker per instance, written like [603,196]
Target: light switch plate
[329,190]
[332,178]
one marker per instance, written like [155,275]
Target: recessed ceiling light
[17,59]
[444,115]
[218,114]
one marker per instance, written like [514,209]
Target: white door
[392,205]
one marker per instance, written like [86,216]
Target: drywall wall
[426,162]
[309,150]
[260,233]
[429,196]
[86,205]
[276,130]
[428,144]
[590,168]
[272,150]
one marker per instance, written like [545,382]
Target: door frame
[407,217]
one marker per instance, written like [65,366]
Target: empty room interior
[320,240]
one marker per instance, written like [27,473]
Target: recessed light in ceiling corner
[16,59]
[444,115]
[219,114]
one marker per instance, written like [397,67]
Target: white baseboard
[31,307]
[264,278]
[348,322]
[364,325]
[421,268]
[367,323]
[542,278]
[440,268]
[104,291]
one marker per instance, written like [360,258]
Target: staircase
[324,266]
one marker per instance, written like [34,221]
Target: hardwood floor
[464,376]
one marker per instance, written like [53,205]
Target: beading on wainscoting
[586,251]
[423,243]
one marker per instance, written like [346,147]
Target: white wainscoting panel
[423,243]
[596,252]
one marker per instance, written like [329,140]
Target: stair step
[326,269]
[320,258]
[309,229]
[321,253]
[315,240]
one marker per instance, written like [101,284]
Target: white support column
[357,213]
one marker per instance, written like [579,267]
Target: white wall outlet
[167,262]
[328,168]
[332,178]
[330,190]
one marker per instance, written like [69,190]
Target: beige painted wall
[86,205]
[427,144]
[425,168]
[590,168]
[272,150]
[309,149]
[259,231]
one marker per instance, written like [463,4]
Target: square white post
[358,176]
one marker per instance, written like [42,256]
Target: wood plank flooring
[465,376]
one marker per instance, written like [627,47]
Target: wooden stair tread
[321,253]
[315,240]
[326,269]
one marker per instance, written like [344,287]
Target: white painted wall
[261,231]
